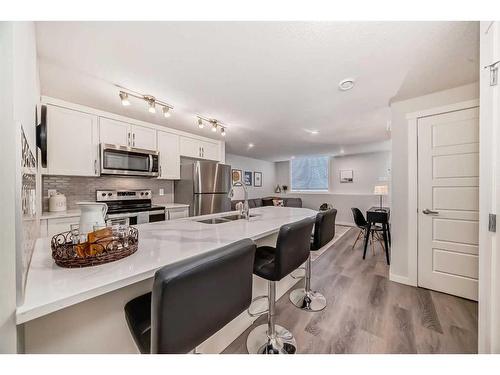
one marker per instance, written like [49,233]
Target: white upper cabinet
[190,147]
[72,142]
[196,148]
[124,134]
[170,161]
[114,132]
[74,133]
[143,137]
[210,151]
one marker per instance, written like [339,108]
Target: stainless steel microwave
[128,161]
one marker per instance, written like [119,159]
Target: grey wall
[370,169]
[399,212]
[254,165]
[78,189]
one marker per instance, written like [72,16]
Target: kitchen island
[81,310]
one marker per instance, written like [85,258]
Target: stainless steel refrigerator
[204,185]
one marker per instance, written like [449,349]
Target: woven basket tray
[107,250]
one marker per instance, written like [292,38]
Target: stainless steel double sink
[223,219]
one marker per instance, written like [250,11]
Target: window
[309,173]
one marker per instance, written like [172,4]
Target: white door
[114,132]
[170,161]
[210,151]
[143,137]
[190,147]
[448,208]
[72,142]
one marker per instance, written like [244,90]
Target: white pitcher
[93,213]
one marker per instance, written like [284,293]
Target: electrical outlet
[162,191]
[51,192]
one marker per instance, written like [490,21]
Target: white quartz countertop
[50,288]
[76,212]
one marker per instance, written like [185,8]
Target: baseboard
[344,223]
[401,279]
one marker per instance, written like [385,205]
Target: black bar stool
[324,231]
[193,299]
[273,264]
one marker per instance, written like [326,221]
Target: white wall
[254,165]
[7,194]
[399,212]
[369,169]
[19,92]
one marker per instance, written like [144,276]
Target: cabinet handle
[203,151]
[133,139]
[128,142]
[95,166]
[161,174]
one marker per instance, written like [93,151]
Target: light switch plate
[162,192]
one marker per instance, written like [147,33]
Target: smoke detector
[346,84]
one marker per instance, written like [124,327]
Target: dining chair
[363,225]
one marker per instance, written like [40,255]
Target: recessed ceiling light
[346,84]
[250,145]
[292,157]
[314,132]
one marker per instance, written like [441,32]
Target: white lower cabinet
[51,227]
[170,161]
[177,213]
[72,142]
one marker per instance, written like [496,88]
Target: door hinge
[493,72]
[492,223]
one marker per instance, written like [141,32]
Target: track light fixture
[216,125]
[151,100]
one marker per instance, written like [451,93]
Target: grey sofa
[268,201]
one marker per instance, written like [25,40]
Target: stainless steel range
[133,205]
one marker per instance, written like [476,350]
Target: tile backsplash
[78,189]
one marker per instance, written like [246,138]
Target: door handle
[430,212]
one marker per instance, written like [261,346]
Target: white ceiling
[269,81]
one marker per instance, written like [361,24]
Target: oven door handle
[150,163]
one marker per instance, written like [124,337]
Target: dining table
[379,217]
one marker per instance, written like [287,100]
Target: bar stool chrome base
[259,342]
[308,301]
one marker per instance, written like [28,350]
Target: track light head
[151,103]
[214,126]
[166,112]
[200,123]
[222,131]
[124,98]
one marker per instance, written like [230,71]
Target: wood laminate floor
[367,313]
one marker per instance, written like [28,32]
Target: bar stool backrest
[292,246]
[324,228]
[193,299]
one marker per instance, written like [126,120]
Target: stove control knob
[103,194]
[109,194]
[142,193]
[147,193]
